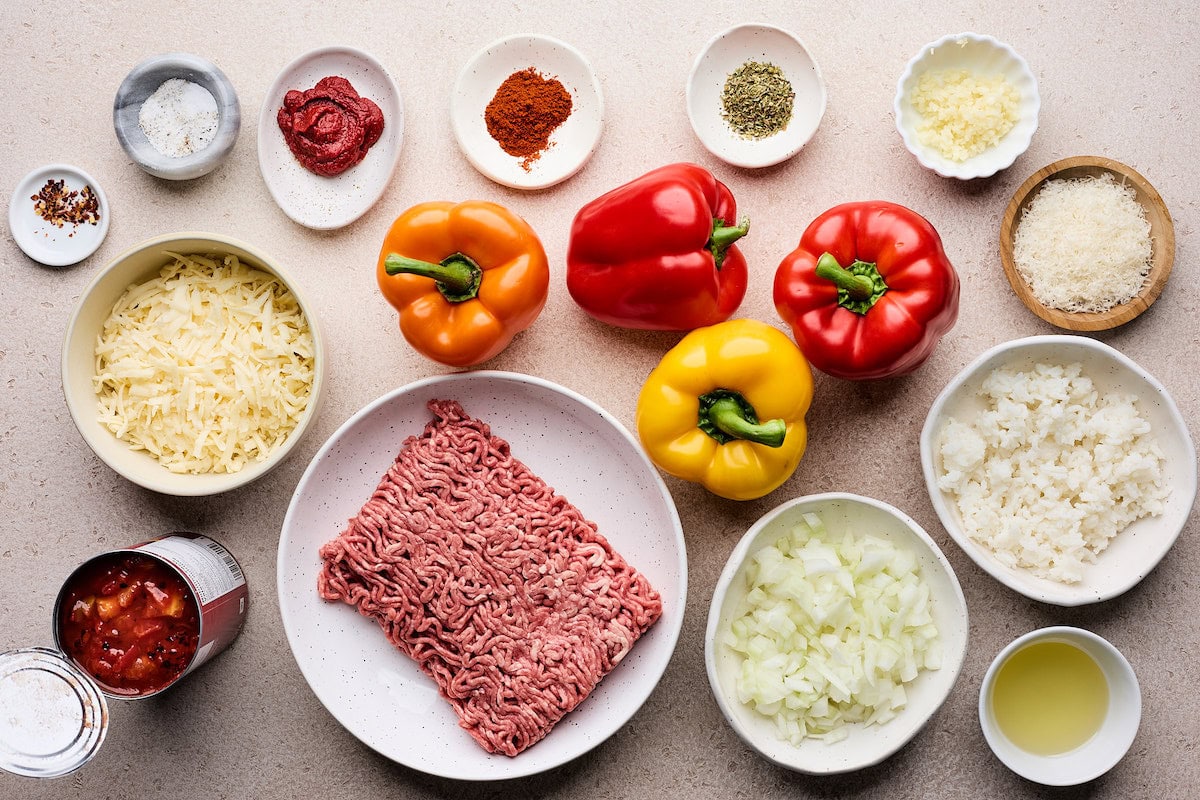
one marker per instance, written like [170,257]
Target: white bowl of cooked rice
[966,106]
[1060,466]
[193,364]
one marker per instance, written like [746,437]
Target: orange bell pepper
[465,278]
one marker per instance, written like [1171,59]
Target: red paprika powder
[526,109]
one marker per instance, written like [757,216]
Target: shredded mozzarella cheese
[207,367]
[1083,244]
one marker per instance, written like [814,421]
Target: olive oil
[1049,697]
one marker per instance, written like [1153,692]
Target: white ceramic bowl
[723,54]
[377,692]
[1109,744]
[1135,551]
[867,744]
[142,81]
[983,55]
[136,265]
[46,243]
[571,144]
[328,202]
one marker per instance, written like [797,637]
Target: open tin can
[128,624]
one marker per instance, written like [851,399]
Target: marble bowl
[139,264]
[142,81]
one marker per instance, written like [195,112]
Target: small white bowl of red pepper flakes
[58,215]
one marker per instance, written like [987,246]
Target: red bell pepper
[868,292]
[658,252]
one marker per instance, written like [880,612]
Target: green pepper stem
[723,236]
[457,276]
[729,417]
[859,287]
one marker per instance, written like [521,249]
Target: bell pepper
[465,278]
[658,253]
[869,291]
[725,408]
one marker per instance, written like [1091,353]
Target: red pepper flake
[58,206]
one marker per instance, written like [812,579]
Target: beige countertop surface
[1116,79]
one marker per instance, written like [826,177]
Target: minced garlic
[962,113]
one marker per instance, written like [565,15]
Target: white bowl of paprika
[527,111]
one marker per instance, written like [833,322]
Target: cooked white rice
[1051,470]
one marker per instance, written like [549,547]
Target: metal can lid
[54,717]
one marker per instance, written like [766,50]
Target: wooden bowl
[1162,234]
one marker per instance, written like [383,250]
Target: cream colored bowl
[136,265]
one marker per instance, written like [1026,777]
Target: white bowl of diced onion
[988,64]
[254,394]
[829,602]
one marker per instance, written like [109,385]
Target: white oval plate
[723,54]
[46,243]
[316,201]
[867,744]
[1133,552]
[570,145]
[376,691]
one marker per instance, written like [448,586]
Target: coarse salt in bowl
[205,87]
[865,745]
[1133,552]
[980,55]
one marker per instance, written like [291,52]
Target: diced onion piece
[832,632]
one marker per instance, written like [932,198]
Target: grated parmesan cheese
[1051,470]
[207,367]
[1083,244]
[964,114]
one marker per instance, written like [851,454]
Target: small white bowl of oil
[1060,706]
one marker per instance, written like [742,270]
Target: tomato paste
[130,621]
[330,127]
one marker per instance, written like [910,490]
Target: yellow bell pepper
[698,413]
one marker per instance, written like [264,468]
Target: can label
[218,583]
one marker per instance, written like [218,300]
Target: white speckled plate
[571,144]
[378,693]
[316,201]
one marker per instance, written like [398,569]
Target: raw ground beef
[496,586]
